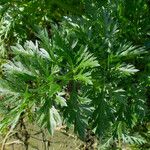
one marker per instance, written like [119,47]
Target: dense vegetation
[84,64]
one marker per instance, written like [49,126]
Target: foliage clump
[90,74]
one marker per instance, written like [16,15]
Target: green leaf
[85,59]
[54,120]
[127,69]
[61,100]
[84,77]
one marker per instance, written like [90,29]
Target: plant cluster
[91,72]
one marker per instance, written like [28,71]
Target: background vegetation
[80,64]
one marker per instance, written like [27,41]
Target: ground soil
[61,140]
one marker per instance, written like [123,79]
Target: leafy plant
[20,18]
[85,75]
